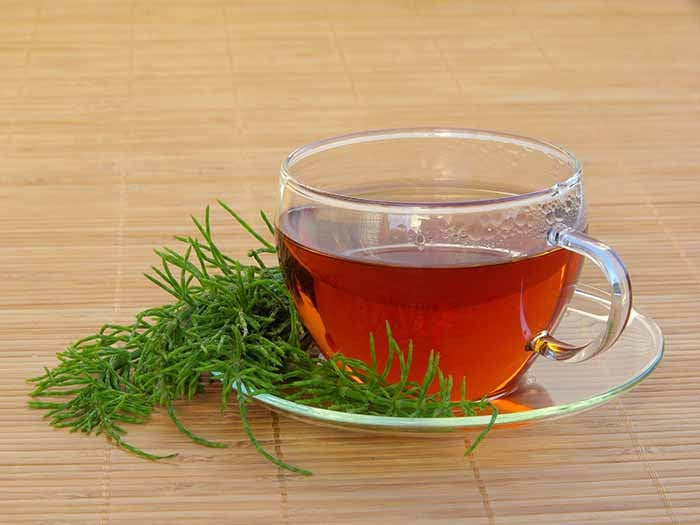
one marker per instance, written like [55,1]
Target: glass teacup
[468,243]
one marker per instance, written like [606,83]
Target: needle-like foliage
[235,321]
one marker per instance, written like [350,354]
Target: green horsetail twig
[239,321]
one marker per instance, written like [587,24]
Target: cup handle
[620,303]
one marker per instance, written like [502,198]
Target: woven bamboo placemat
[118,120]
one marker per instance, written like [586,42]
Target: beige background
[118,120]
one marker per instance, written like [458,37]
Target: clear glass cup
[464,242]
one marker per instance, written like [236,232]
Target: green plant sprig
[238,321]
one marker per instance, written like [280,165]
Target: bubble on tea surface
[508,224]
[474,232]
[419,241]
[521,219]
[559,214]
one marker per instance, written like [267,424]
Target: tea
[476,307]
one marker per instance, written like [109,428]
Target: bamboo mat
[118,120]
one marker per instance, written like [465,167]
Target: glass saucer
[549,389]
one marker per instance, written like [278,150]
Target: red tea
[476,307]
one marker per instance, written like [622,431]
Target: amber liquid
[478,314]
